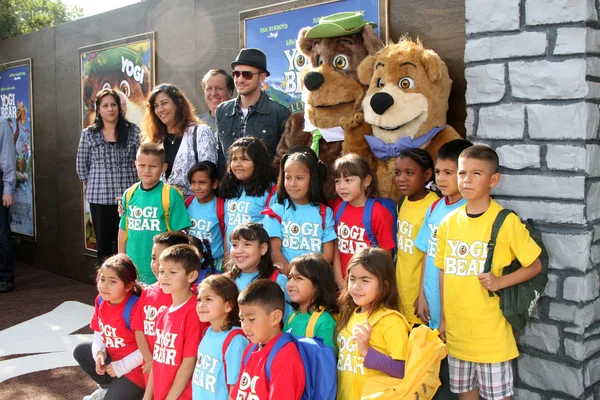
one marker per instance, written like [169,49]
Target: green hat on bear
[110,60]
[340,24]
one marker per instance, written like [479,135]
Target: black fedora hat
[252,57]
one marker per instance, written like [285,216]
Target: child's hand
[442,330]
[361,333]
[111,371]
[147,368]
[100,368]
[490,281]
[422,309]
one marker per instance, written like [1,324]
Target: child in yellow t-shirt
[414,171]
[480,341]
[372,336]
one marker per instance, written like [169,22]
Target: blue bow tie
[383,150]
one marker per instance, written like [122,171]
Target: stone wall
[533,92]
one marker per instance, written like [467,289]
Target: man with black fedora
[252,112]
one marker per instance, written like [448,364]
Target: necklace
[174,138]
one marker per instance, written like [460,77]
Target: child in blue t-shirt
[300,221]
[206,210]
[446,166]
[247,186]
[250,259]
[221,349]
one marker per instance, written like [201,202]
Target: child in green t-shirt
[151,207]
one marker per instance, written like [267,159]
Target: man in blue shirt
[252,112]
[7,171]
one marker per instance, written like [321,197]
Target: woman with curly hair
[170,119]
[106,165]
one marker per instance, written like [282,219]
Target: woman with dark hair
[170,119]
[106,166]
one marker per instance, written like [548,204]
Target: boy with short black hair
[262,304]
[479,339]
[151,207]
[178,329]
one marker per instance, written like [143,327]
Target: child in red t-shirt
[178,330]
[261,310]
[354,183]
[153,300]
[112,359]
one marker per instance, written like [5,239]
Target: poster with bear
[127,66]
[274,30]
[16,107]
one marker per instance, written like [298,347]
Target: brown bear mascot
[331,88]
[405,106]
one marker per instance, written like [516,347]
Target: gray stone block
[570,41]
[540,336]
[522,394]
[593,201]
[570,121]
[507,46]
[539,80]
[581,288]
[506,121]
[568,251]
[547,211]
[519,156]
[541,186]
[540,12]
[492,15]
[566,158]
[485,83]
[593,160]
[549,375]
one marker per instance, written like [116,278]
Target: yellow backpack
[312,322]
[166,203]
[421,378]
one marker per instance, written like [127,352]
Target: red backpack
[220,211]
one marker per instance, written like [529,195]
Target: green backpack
[517,302]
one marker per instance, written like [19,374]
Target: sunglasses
[247,75]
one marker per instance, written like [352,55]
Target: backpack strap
[367,218]
[312,323]
[100,300]
[127,310]
[400,202]
[195,144]
[492,242]
[233,333]
[268,211]
[434,204]
[166,203]
[221,214]
[272,192]
[274,275]
[253,347]
[340,211]
[323,212]
[289,321]
[188,201]
[128,196]
[284,339]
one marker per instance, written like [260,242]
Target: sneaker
[97,395]
[6,286]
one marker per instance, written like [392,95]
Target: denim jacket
[266,120]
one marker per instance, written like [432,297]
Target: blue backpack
[127,310]
[319,365]
[368,217]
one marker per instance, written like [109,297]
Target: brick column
[533,90]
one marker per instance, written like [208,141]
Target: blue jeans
[7,261]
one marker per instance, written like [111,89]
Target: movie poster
[276,33]
[127,66]
[16,108]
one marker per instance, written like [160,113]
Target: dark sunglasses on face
[247,75]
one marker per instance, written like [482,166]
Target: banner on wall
[126,65]
[16,106]
[274,30]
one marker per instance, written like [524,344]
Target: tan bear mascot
[331,89]
[404,107]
